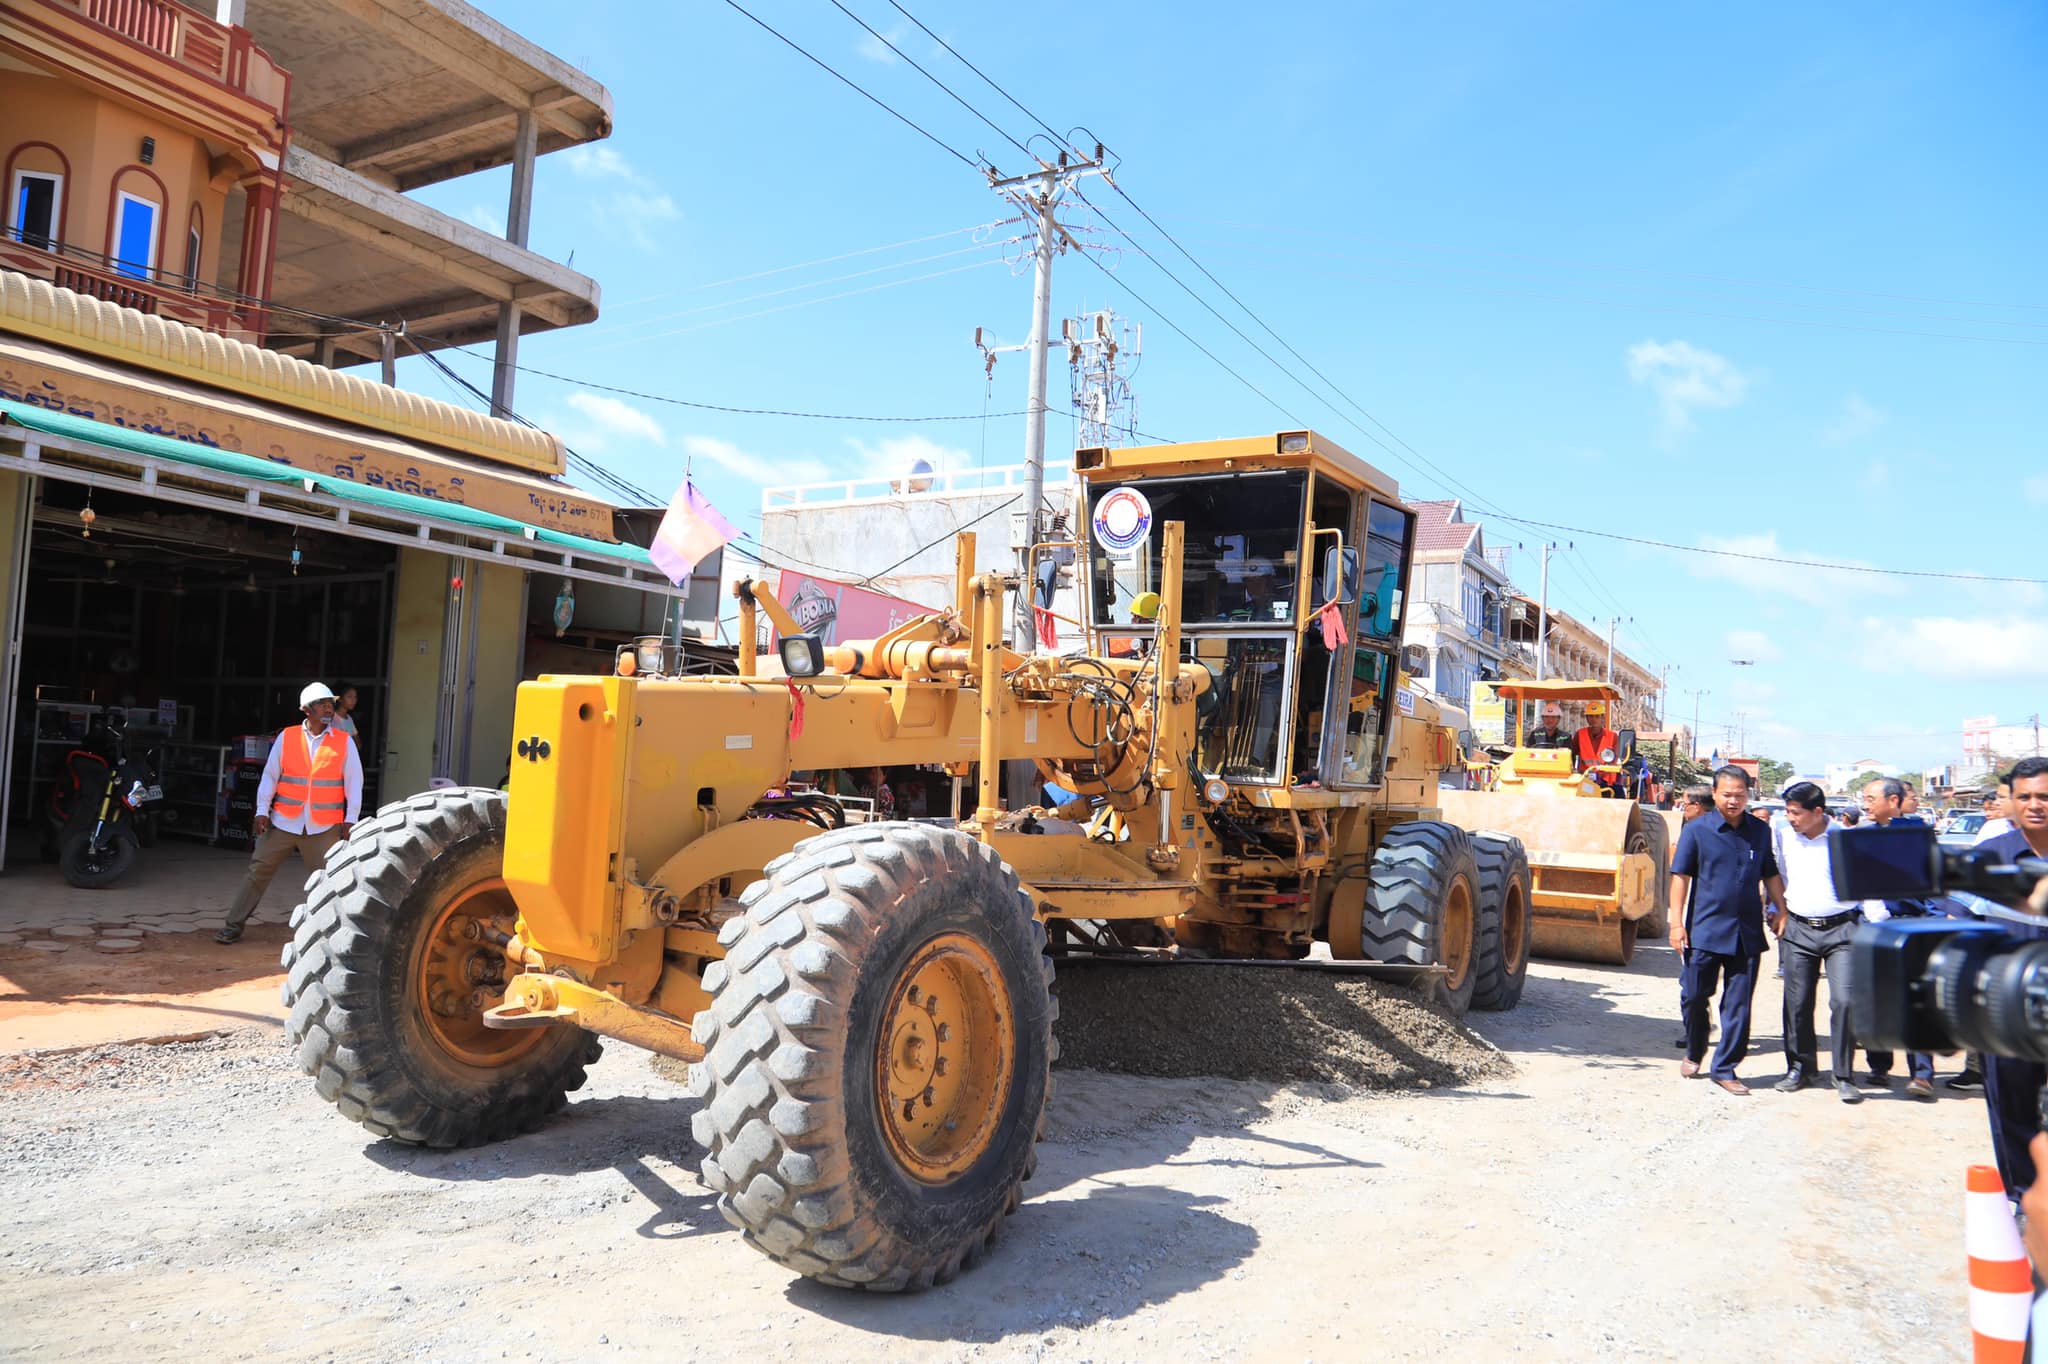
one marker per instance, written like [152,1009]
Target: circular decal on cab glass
[1123,520]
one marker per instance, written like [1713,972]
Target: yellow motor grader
[1601,860]
[869,1007]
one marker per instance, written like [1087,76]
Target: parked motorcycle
[99,812]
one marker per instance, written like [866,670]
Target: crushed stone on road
[1263,1023]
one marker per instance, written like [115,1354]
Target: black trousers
[2012,1092]
[1736,975]
[1805,948]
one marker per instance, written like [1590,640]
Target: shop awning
[77,449]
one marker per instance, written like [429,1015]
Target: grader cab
[868,1007]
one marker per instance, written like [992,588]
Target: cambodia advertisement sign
[58,382]
[836,611]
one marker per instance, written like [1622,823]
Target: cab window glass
[1387,532]
[1239,739]
[1241,555]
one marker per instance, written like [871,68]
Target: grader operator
[869,1007]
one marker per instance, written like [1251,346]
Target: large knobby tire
[1647,834]
[1421,906]
[869,961]
[96,870]
[379,942]
[1501,953]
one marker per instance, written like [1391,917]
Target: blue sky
[1771,283]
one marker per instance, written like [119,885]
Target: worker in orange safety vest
[309,798]
[1598,746]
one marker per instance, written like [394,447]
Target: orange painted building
[201,507]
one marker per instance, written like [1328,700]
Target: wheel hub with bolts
[945,1064]
[462,973]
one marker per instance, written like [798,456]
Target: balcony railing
[170,297]
[220,52]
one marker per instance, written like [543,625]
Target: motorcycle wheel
[91,868]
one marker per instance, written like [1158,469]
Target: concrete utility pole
[1543,615]
[1612,622]
[1696,693]
[1037,194]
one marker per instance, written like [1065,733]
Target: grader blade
[1594,870]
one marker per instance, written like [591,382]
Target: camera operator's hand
[2034,1204]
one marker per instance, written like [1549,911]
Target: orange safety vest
[1591,741]
[318,778]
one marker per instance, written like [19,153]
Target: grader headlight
[802,655]
[1215,790]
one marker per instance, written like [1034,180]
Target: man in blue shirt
[1724,862]
[2012,1088]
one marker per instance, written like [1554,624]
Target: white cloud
[637,208]
[611,417]
[1857,419]
[1984,648]
[595,161]
[875,50]
[638,212]
[1801,579]
[756,468]
[483,216]
[1754,645]
[1686,379]
[2037,489]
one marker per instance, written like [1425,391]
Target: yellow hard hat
[1145,606]
[1596,708]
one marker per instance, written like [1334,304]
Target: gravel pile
[1263,1023]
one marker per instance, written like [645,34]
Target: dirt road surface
[197,1201]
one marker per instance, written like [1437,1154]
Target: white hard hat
[315,691]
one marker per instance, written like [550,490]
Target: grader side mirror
[1339,580]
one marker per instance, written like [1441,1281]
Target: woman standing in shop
[345,716]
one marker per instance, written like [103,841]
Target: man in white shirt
[1817,929]
[310,797]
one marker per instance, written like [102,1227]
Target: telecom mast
[1102,350]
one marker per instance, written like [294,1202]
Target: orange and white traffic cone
[2001,1283]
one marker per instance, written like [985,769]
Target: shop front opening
[201,628]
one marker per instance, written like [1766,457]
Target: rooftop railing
[220,52]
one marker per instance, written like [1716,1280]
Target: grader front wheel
[878,1056]
[1420,906]
[393,959]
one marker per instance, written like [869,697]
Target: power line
[1745,281]
[615,334]
[721,407]
[822,260]
[808,302]
[1775,558]
[1476,498]
[961,157]
[979,72]
[929,76]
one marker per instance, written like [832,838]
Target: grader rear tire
[1501,956]
[878,1056]
[1422,906]
[376,978]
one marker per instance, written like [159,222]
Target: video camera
[1940,984]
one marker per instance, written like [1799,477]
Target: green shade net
[249,466]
